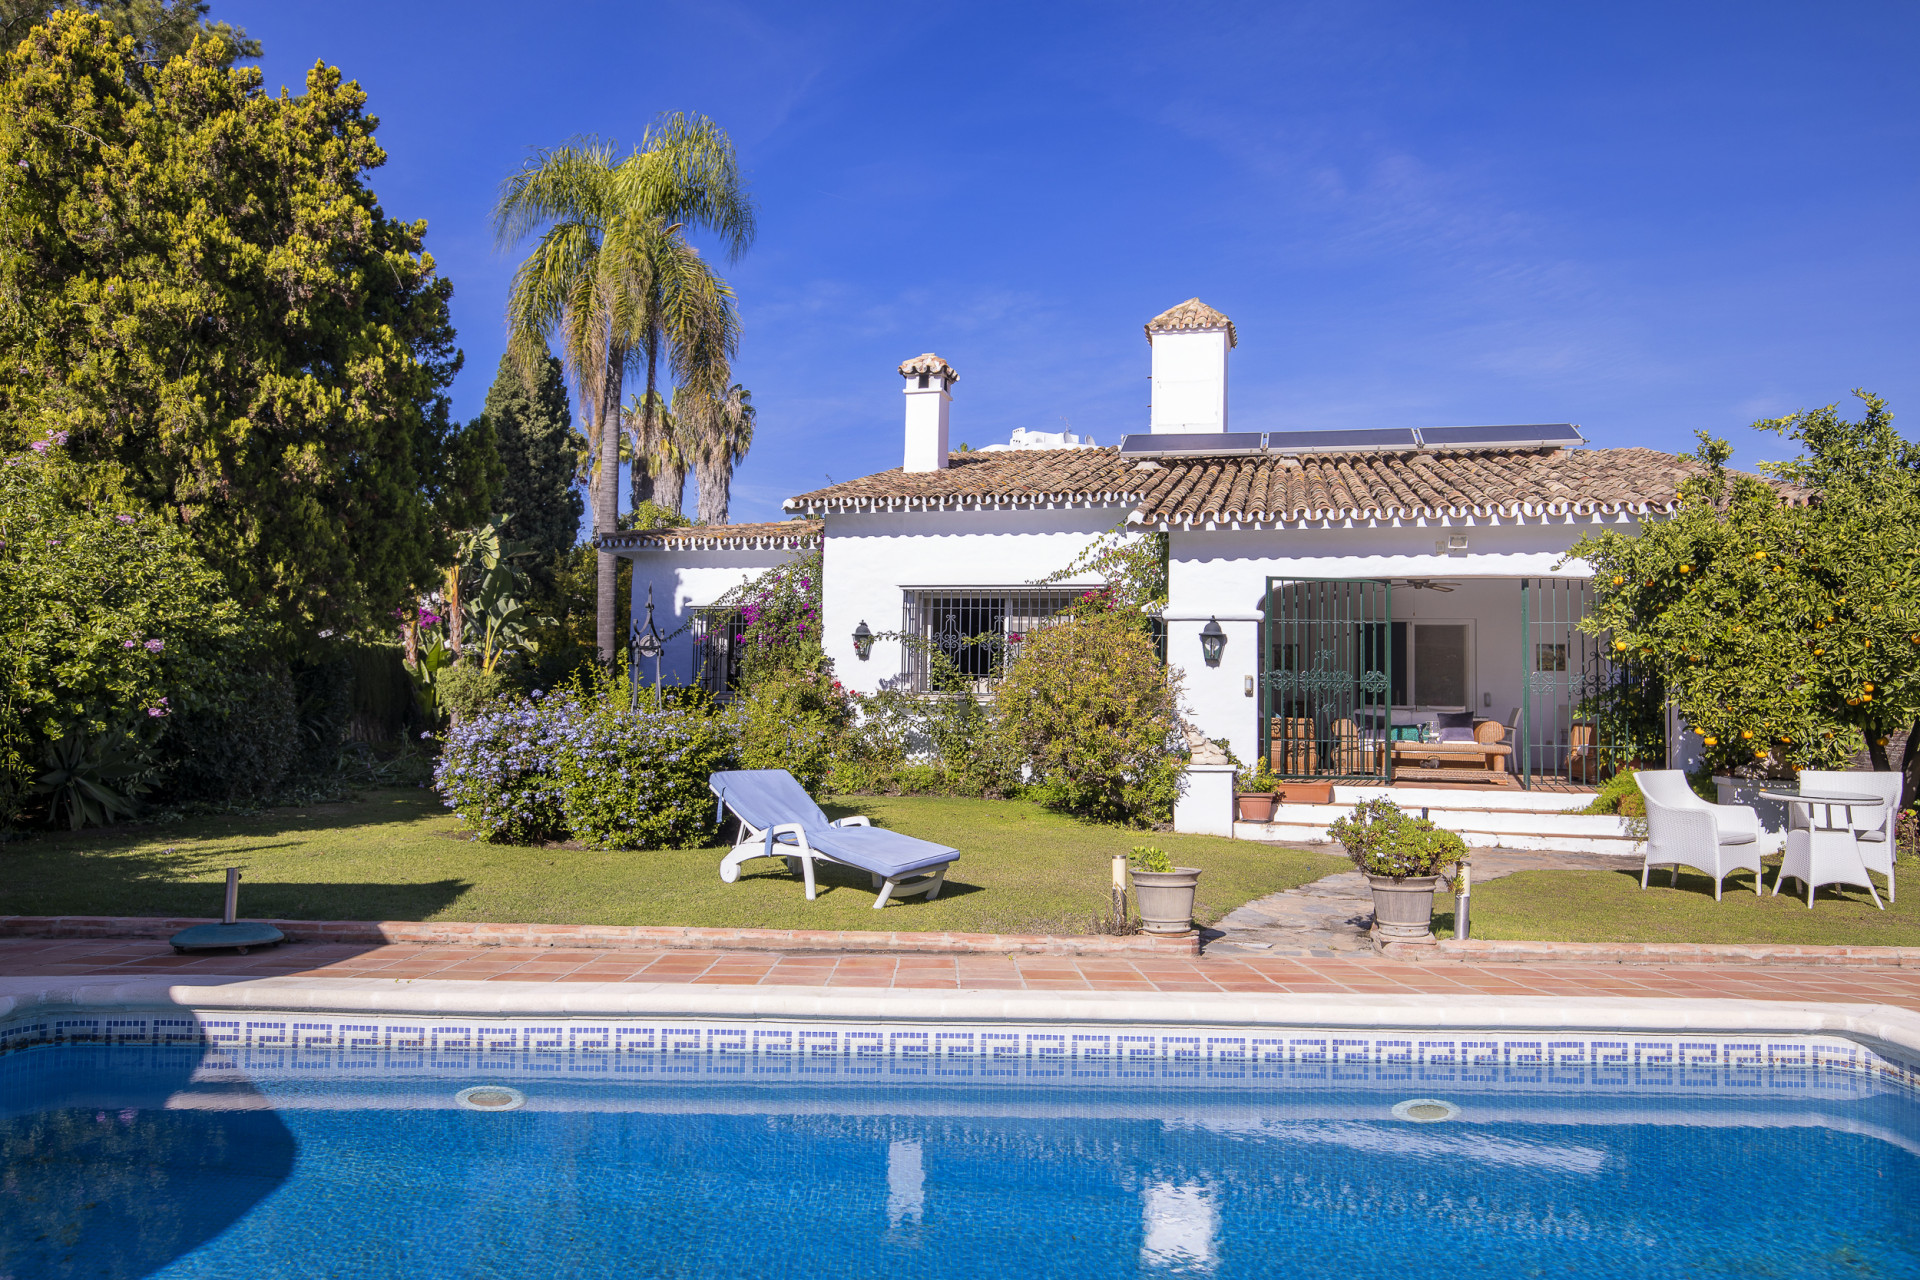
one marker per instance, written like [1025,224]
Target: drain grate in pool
[1425,1110]
[490,1097]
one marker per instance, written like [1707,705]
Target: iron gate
[1326,663]
[716,652]
[1582,714]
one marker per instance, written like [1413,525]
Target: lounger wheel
[729,872]
[793,866]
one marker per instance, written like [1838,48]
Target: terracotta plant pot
[1403,909]
[1165,899]
[1306,793]
[1254,806]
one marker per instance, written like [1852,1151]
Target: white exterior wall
[684,579]
[1223,573]
[1189,382]
[872,559]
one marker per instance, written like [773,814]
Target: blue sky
[1643,218]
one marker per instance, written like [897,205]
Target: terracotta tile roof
[1283,489]
[1192,314]
[1014,477]
[928,363]
[1387,486]
[774,535]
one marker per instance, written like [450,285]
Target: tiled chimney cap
[1191,314]
[928,363]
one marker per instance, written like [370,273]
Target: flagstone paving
[58,958]
[1333,914]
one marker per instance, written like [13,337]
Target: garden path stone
[1333,914]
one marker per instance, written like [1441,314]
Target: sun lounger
[778,819]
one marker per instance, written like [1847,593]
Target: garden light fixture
[1212,641]
[862,640]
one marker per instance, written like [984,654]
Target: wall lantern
[862,640]
[1212,641]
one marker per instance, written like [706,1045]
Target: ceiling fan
[1428,584]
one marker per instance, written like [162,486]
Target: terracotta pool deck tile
[1318,976]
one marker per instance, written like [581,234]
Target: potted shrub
[1254,797]
[1402,858]
[1162,892]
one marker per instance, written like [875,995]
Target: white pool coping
[1876,1026]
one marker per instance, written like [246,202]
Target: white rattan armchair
[1684,830]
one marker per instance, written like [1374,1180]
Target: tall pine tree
[533,428]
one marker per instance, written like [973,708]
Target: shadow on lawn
[1700,884]
[156,882]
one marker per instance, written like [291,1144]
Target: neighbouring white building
[1389,605]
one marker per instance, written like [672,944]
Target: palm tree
[722,427]
[660,475]
[613,276]
[688,315]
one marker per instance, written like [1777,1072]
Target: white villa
[1390,605]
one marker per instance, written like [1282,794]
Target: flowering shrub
[638,779]
[497,770]
[779,616]
[110,624]
[581,763]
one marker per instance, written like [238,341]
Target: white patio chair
[1874,830]
[1684,830]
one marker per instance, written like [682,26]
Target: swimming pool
[494,1148]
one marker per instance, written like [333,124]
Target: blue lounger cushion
[884,853]
[766,798]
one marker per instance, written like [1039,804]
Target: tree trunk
[714,469]
[456,623]
[649,432]
[606,516]
[1877,751]
[1908,759]
[641,484]
[670,487]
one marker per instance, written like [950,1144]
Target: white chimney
[1190,345]
[928,379]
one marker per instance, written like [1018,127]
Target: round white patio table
[1823,852]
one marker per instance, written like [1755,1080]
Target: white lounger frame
[757,843]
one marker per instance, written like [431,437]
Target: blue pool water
[123,1163]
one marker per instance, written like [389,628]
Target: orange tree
[1784,618]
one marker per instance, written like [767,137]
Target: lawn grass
[398,855]
[1609,906]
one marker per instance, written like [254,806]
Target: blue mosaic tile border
[1203,1053]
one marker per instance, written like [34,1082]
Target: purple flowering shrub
[582,764]
[638,779]
[497,771]
[779,617]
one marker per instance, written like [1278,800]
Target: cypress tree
[533,427]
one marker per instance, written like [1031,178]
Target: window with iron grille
[978,630]
[716,648]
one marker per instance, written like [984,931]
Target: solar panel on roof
[1362,440]
[1169,445]
[1531,436]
